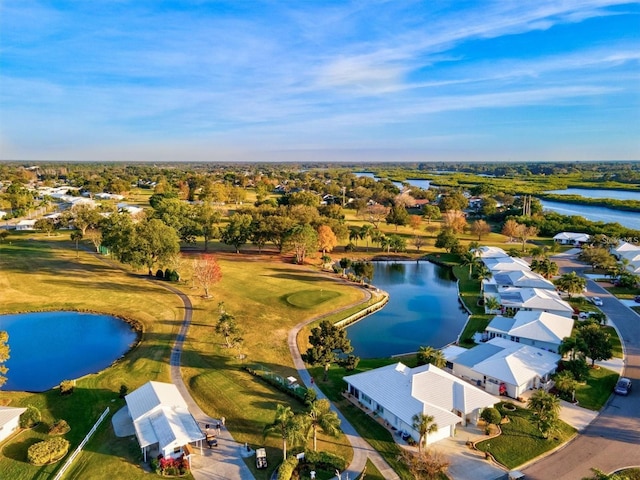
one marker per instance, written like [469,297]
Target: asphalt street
[612,440]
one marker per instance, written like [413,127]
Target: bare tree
[206,272]
[374,214]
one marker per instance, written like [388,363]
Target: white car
[596,301]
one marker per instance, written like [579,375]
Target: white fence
[75,453]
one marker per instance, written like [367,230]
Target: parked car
[596,301]
[623,387]
[261,458]
[585,315]
[637,299]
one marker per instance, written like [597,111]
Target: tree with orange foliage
[326,238]
[206,272]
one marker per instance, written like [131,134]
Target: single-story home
[539,329]
[518,278]
[505,264]
[162,421]
[503,367]
[515,299]
[490,252]
[572,238]
[26,225]
[396,393]
[9,420]
[629,252]
[123,207]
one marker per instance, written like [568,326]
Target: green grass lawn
[521,441]
[595,392]
[476,323]
[44,274]
[615,342]
[310,298]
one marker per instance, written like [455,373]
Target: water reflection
[423,309]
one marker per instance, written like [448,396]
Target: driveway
[612,440]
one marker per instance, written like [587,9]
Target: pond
[423,310]
[48,347]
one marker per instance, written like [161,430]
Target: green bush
[160,274]
[287,467]
[123,390]
[47,451]
[31,417]
[578,367]
[324,461]
[59,427]
[66,387]
[491,416]
[171,275]
[350,363]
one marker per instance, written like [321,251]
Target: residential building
[572,238]
[9,420]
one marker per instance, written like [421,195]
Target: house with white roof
[490,252]
[538,329]
[630,254]
[9,420]
[132,210]
[29,224]
[505,264]
[396,393]
[162,421]
[517,278]
[503,367]
[572,238]
[515,299]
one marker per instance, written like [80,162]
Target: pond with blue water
[49,347]
[423,310]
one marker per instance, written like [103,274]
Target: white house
[503,367]
[123,207]
[572,238]
[518,278]
[396,393]
[26,225]
[490,252]
[515,299]
[9,420]
[161,420]
[538,329]
[505,264]
[629,253]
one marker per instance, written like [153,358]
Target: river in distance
[423,310]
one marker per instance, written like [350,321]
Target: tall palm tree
[547,410]
[425,425]
[321,417]
[366,231]
[287,425]
[469,259]
[492,304]
[571,283]
[482,272]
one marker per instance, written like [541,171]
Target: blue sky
[152,80]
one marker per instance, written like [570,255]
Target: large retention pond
[49,347]
[423,310]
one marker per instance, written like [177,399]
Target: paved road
[612,440]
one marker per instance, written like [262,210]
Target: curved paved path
[612,440]
[361,448]
[224,461]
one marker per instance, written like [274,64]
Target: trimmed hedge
[47,451]
[287,467]
[31,417]
[60,427]
[324,461]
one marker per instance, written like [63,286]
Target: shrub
[350,247]
[324,461]
[351,362]
[491,415]
[160,274]
[123,390]
[47,451]
[286,468]
[66,387]
[171,275]
[173,466]
[578,367]
[59,427]
[31,417]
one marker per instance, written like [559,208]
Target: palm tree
[76,236]
[288,425]
[469,259]
[354,235]
[571,283]
[322,417]
[482,273]
[424,425]
[431,355]
[545,267]
[492,304]
[366,231]
[547,410]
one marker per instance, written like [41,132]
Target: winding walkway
[361,448]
